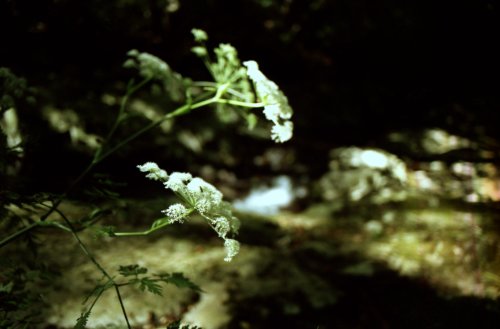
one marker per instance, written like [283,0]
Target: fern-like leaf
[150,285]
[81,322]
[132,270]
[180,281]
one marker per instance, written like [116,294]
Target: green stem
[178,112]
[122,305]
[18,234]
[149,231]
[239,103]
[89,255]
[141,233]
[119,118]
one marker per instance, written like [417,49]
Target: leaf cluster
[152,283]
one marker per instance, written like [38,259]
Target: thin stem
[151,230]
[239,103]
[119,118]
[178,112]
[18,234]
[97,264]
[84,247]
[204,84]
[122,305]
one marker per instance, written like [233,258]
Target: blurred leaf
[105,231]
[81,322]
[160,222]
[179,280]
[132,270]
[150,285]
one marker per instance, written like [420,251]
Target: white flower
[176,213]
[282,132]
[154,172]
[200,189]
[232,248]
[176,181]
[272,112]
[276,107]
[254,73]
[197,185]
[148,166]
[221,226]
[203,205]
[201,196]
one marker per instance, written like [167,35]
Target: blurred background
[381,212]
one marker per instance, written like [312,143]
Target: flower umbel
[276,107]
[232,249]
[176,213]
[154,172]
[200,196]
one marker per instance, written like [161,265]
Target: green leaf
[150,285]
[132,270]
[98,290]
[81,322]
[179,280]
[105,231]
[160,222]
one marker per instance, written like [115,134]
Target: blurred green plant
[236,87]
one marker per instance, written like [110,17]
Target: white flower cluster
[154,172]
[197,195]
[176,213]
[149,65]
[276,107]
[232,249]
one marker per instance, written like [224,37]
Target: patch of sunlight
[369,158]
[152,113]
[408,252]
[444,246]
[312,218]
[212,311]
[374,159]
[68,121]
[437,219]
[423,181]
[268,200]
[9,124]
[439,141]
